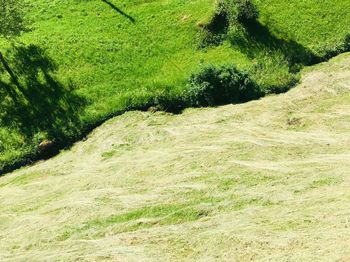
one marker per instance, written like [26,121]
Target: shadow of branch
[119,10]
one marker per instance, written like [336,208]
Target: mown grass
[199,205]
[82,62]
[135,220]
[233,182]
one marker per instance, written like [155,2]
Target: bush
[240,11]
[229,16]
[347,43]
[215,86]
[246,11]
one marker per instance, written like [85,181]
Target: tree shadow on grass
[38,102]
[256,38]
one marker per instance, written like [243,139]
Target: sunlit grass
[139,53]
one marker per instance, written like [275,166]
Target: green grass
[132,221]
[320,26]
[199,205]
[85,61]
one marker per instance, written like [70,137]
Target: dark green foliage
[11,17]
[220,85]
[232,12]
[347,43]
[246,11]
[228,14]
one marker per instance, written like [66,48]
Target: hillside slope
[266,181]
[82,62]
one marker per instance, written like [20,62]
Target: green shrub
[241,11]
[215,86]
[246,11]
[347,43]
[229,16]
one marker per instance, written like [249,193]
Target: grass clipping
[265,180]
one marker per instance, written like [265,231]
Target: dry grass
[264,181]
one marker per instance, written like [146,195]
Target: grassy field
[82,62]
[264,181]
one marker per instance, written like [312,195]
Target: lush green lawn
[84,61]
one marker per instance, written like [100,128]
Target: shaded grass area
[86,61]
[35,106]
[37,101]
